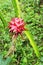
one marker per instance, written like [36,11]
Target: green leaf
[2,18]
[8,60]
[42,59]
[4,61]
[25,60]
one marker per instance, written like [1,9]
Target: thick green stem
[28,34]
[16,8]
[32,42]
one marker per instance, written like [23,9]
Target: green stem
[16,8]
[32,42]
[28,34]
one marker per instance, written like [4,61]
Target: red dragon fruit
[16,26]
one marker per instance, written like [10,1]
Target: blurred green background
[32,13]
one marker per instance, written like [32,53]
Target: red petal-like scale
[16,25]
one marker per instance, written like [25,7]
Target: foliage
[24,54]
[3,61]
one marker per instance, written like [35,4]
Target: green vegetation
[32,13]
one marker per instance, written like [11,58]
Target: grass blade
[32,42]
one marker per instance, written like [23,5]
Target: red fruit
[16,25]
